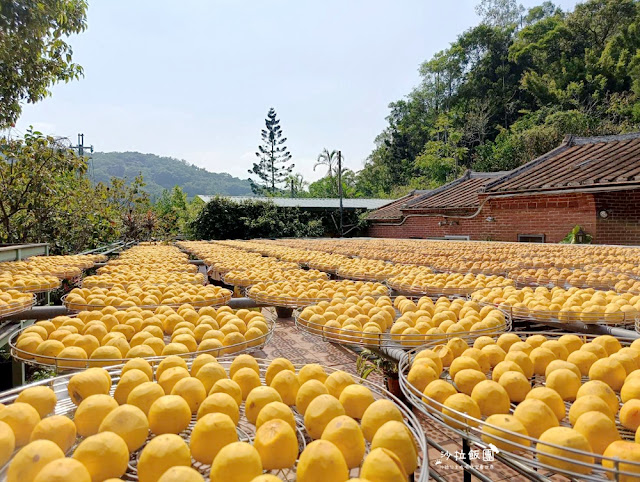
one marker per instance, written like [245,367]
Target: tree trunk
[273,169]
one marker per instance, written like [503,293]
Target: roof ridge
[488,173]
[575,140]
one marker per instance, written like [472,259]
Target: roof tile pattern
[393,210]
[459,194]
[580,162]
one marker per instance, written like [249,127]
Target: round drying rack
[560,319]
[245,429]
[78,364]
[523,454]
[428,290]
[387,339]
[223,299]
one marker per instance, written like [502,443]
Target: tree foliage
[46,196]
[272,168]
[174,213]
[509,90]
[329,160]
[37,174]
[296,186]
[501,13]
[327,186]
[222,218]
[33,52]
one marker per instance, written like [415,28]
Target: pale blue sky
[194,79]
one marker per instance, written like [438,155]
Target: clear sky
[194,79]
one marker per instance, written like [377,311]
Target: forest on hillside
[163,173]
[509,90]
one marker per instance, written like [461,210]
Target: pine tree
[271,169]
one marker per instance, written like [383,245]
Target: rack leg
[465,450]
[284,312]
[17,372]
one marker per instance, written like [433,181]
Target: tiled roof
[392,210]
[459,194]
[305,202]
[582,163]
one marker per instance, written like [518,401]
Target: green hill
[164,173]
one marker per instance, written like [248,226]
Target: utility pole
[81,147]
[340,188]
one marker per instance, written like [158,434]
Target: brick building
[593,182]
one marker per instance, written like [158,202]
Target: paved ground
[302,347]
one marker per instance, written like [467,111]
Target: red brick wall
[428,227]
[622,225]
[554,216]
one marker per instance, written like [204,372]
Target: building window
[531,238]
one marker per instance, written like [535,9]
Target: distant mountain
[164,173]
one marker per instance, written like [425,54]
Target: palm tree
[329,159]
[296,184]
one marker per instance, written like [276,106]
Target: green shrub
[225,219]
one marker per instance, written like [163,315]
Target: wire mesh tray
[42,288]
[223,299]
[327,268]
[291,302]
[406,342]
[88,283]
[489,271]
[432,291]
[245,430]
[217,272]
[260,296]
[247,282]
[16,307]
[66,272]
[125,268]
[363,276]
[77,364]
[283,301]
[550,282]
[562,317]
[523,458]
